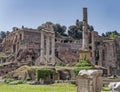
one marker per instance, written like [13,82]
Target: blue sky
[104,15]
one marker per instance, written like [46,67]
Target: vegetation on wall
[111,34]
[60,64]
[81,65]
[1,65]
[43,73]
[13,81]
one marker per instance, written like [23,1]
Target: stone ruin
[29,74]
[89,81]
[48,49]
[28,47]
[29,44]
[114,87]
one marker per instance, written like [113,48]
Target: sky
[104,15]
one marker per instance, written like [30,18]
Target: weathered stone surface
[104,51]
[26,42]
[66,74]
[68,52]
[114,87]
[89,81]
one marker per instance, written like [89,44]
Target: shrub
[61,64]
[13,82]
[77,69]
[83,64]
[42,73]
[1,65]
[8,80]
[16,82]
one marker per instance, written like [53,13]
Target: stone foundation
[89,81]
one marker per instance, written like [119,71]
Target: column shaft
[42,47]
[53,48]
[47,48]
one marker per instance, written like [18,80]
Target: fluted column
[53,48]
[85,36]
[85,30]
[47,48]
[42,47]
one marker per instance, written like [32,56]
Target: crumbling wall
[68,52]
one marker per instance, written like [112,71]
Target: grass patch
[105,89]
[1,65]
[58,87]
[64,87]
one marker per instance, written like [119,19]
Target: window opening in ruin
[50,50]
[71,41]
[90,40]
[4,60]
[45,45]
[56,52]
[103,55]
[61,41]
[16,38]
[51,76]
[97,43]
[20,36]
[96,63]
[65,41]
[90,54]
[90,47]
[14,48]
[97,55]
[55,40]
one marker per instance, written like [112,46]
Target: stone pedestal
[85,54]
[89,81]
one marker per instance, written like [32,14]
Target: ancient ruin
[41,47]
[114,87]
[89,81]
[30,45]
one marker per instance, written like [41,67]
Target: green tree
[91,28]
[74,32]
[7,33]
[3,34]
[79,24]
[59,29]
[111,34]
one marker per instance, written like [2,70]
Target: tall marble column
[85,30]
[85,53]
[47,49]
[85,38]
[53,48]
[42,47]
